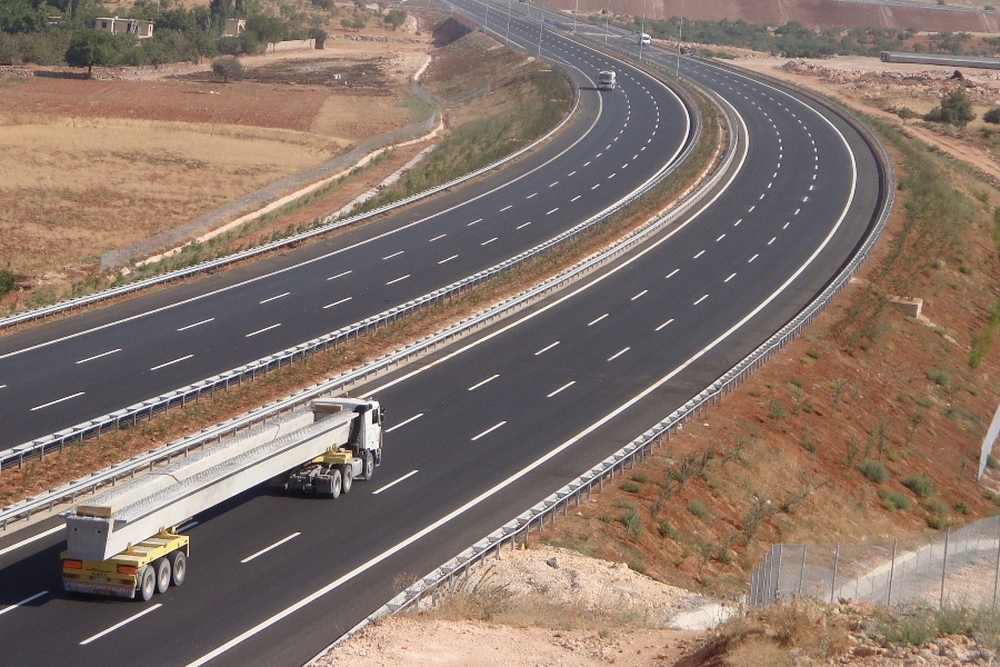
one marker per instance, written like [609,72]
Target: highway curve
[481,431]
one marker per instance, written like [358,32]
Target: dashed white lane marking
[33,538]
[274,298]
[58,400]
[701,299]
[639,295]
[180,359]
[750,210]
[23,602]
[587,163]
[260,331]
[672,273]
[619,353]
[122,624]
[395,254]
[507,208]
[565,386]
[337,303]
[489,430]
[198,324]
[531,195]
[547,347]
[664,324]
[447,259]
[612,175]
[98,356]
[395,482]
[575,198]
[552,211]
[699,254]
[521,226]
[797,211]
[773,239]
[396,280]
[593,322]
[594,187]
[481,383]
[720,238]
[489,241]
[405,422]
[753,258]
[731,276]
[273,546]
[437,238]
[474,222]
[553,184]
[785,226]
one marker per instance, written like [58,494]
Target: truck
[644,39]
[606,80]
[126,542]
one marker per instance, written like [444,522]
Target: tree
[394,18]
[228,68]
[91,47]
[269,30]
[319,35]
[955,109]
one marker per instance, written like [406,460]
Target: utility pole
[607,17]
[642,28]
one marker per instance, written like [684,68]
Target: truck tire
[161,569]
[347,478]
[147,583]
[178,567]
[336,482]
[369,465]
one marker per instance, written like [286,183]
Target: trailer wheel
[178,567]
[336,482]
[347,478]
[147,583]
[369,465]
[161,568]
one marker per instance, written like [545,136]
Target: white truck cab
[606,80]
[645,40]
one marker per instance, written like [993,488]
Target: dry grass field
[92,165]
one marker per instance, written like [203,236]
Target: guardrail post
[892,571]
[944,566]
[836,565]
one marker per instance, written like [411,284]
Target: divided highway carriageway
[480,431]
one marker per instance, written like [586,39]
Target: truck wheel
[336,483]
[347,478]
[369,465]
[178,567]
[161,568]
[147,583]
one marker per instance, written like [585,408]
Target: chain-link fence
[958,567]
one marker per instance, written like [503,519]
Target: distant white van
[644,40]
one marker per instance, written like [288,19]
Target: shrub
[630,487]
[6,281]
[992,116]
[921,486]
[228,67]
[666,530]
[895,500]
[875,471]
[962,508]
[938,377]
[955,109]
[632,521]
[698,508]
[639,477]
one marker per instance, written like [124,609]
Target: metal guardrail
[518,529]
[109,476]
[326,225]
[179,397]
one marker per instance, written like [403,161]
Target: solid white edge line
[23,602]
[175,361]
[118,625]
[395,482]
[58,400]
[98,356]
[489,430]
[405,422]
[273,546]
[29,540]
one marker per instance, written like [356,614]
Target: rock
[552,562]
[865,651]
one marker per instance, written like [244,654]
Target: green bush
[698,508]
[875,471]
[630,487]
[955,109]
[632,521]
[6,281]
[962,508]
[666,530]
[992,116]
[921,486]
[894,501]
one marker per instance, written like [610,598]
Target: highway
[484,429]
[71,370]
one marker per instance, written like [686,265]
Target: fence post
[892,570]
[944,566]
[836,564]
[802,570]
